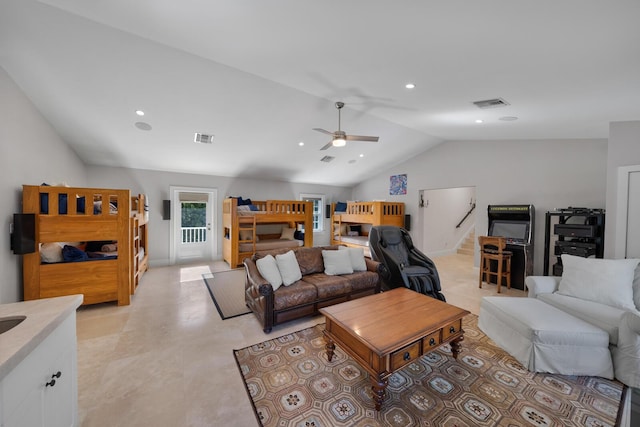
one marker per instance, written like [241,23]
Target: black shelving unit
[577,231]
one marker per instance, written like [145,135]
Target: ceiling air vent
[327,159]
[202,138]
[491,103]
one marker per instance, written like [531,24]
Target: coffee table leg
[330,346]
[378,387]
[456,347]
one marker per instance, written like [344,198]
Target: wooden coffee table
[386,331]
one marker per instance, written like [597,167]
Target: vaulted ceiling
[260,75]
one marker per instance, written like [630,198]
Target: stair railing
[473,206]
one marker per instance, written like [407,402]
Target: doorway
[448,217]
[627,228]
[193,230]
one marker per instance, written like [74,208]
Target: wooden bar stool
[492,248]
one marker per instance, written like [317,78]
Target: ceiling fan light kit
[340,138]
[339,142]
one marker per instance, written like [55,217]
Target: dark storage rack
[578,231]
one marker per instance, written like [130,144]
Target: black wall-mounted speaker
[327,211]
[23,238]
[407,222]
[166,209]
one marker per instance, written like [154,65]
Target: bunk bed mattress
[354,240]
[264,245]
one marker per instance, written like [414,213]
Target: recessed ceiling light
[140,112]
[508,118]
[478,121]
[301,143]
[361,155]
[410,85]
[142,126]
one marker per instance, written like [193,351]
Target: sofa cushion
[329,286]
[288,267]
[607,281]
[601,315]
[310,259]
[336,263]
[294,295]
[361,280]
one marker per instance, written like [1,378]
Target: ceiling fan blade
[323,131]
[362,138]
[326,147]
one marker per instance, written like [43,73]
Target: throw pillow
[268,268]
[289,268]
[287,233]
[336,263]
[356,255]
[51,252]
[356,228]
[607,281]
[340,229]
[340,207]
[246,234]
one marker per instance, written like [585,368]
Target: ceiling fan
[339,137]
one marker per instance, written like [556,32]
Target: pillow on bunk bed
[340,229]
[51,252]
[340,207]
[289,268]
[96,246]
[355,229]
[253,208]
[97,208]
[287,233]
[356,255]
[241,201]
[109,247]
[335,263]
[268,268]
[246,234]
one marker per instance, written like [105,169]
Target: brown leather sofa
[304,297]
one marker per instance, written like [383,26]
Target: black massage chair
[404,265]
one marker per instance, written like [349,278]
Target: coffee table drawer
[401,357]
[430,342]
[451,329]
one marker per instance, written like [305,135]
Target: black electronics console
[577,231]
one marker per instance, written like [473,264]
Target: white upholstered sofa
[606,294]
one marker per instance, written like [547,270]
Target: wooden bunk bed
[139,239]
[84,215]
[363,215]
[241,238]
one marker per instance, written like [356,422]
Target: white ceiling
[259,75]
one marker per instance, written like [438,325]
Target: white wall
[443,209]
[623,150]
[156,185]
[30,153]
[548,174]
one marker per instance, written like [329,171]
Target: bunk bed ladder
[248,223]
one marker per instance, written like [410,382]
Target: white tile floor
[166,359]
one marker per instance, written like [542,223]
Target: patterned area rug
[291,383]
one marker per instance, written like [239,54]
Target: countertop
[43,316]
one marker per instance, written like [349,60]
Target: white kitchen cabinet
[33,393]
